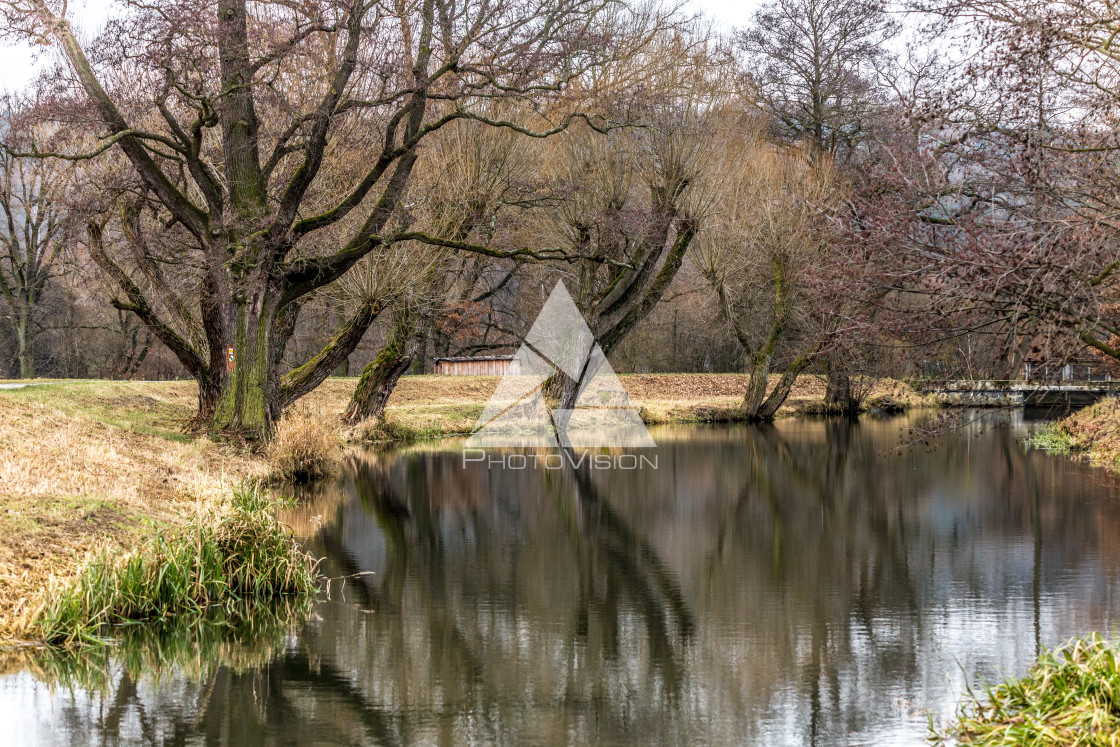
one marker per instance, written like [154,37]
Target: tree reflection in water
[794,583]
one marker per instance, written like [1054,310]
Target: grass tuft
[304,448]
[385,430]
[1070,696]
[226,560]
[195,648]
[1054,438]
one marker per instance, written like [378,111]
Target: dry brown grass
[306,447]
[446,405]
[83,466]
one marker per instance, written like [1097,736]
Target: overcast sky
[18,64]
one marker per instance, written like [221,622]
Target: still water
[796,584]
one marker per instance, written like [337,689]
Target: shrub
[226,560]
[304,448]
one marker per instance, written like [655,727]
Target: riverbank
[89,466]
[1092,433]
[1069,696]
[233,558]
[86,466]
[433,406]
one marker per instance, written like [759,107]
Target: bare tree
[771,224]
[32,232]
[635,197]
[232,117]
[476,183]
[814,64]
[997,208]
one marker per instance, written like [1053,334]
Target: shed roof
[466,359]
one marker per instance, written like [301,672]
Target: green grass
[226,561]
[1053,439]
[121,404]
[247,640]
[1070,696]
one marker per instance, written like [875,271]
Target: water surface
[796,584]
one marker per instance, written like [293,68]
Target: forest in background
[854,189]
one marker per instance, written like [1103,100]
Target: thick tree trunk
[757,405]
[249,403]
[23,340]
[778,397]
[380,377]
[565,389]
[209,392]
[756,386]
[304,379]
[375,386]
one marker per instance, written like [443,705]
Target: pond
[804,583]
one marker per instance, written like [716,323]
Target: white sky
[18,64]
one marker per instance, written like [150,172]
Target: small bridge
[1024,393]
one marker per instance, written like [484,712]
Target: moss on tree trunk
[249,403]
[380,377]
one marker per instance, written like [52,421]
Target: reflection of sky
[835,593]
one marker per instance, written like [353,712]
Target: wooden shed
[486,365]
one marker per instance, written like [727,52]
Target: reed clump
[229,560]
[1071,696]
[191,648]
[304,448]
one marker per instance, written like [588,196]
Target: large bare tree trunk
[23,339]
[777,398]
[208,395]
[756,386]
[375,387]
[757,405]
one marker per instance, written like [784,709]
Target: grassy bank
[86,466]
[1092,433]
[229,559]
[1071,696]
[91,466]
[432,406]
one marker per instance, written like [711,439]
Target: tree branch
[304,379]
